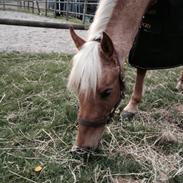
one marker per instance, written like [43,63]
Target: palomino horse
[96,75]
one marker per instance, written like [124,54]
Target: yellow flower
[38,168]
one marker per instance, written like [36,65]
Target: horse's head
[96,79]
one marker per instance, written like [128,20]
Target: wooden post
[67,10]
[24,4]
[32,6]
[55,9]
[28,5]
[20,4]
[84,10]
[46,7]
[59,7]
[38,9]
[4,8]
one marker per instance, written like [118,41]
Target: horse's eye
[106,93]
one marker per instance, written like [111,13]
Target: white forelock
[86,70]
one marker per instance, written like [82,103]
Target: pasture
[37,127]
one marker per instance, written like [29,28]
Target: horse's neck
[124,23]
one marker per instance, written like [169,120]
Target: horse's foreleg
[136,97]
[180,83]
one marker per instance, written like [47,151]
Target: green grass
[37,127]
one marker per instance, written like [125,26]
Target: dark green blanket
[159,43]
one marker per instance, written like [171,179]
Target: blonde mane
[87,69]
[102,17]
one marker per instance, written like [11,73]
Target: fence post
[67,10]
[84,10]
[19,5]
[38,9]
[59,7]
[32,6]
[55,8]
[4,5]
[46,7]
[28,5]
[24,4]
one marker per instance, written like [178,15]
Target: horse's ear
[77,40]
[107,45]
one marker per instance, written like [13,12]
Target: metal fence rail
[82,9]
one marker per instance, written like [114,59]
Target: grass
[37,127]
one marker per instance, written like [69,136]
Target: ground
[37,127]
[38,114]
[34,40]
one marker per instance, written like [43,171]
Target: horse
[97,74]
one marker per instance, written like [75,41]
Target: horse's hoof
[179,86]
[125,115]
